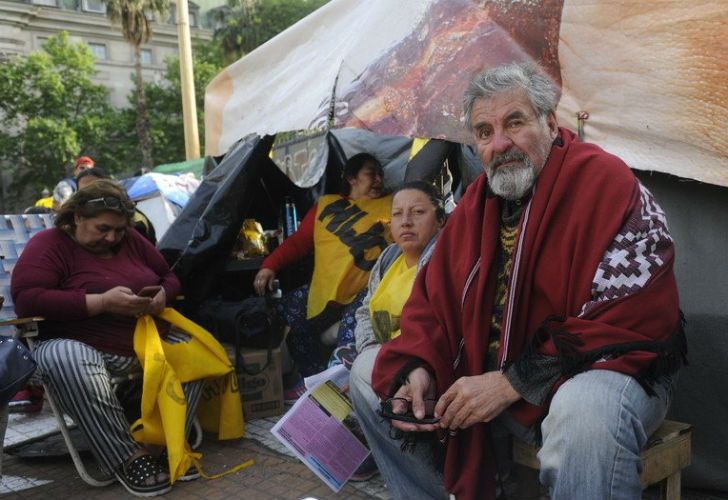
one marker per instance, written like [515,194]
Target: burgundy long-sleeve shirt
[54,274]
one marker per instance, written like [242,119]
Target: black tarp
[199,241]
[247,184]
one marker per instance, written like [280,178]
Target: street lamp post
[189,107]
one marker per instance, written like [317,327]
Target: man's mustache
[508,156]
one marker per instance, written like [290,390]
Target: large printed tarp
[650,74]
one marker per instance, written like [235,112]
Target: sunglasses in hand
[401,409]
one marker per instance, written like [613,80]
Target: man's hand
[420,385]
[471,400]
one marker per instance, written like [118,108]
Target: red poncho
[592,284]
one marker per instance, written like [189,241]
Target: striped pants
[79,377]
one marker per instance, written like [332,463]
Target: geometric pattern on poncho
[636,253]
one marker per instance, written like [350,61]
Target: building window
[193,19]
[94,6]
[98,50]
[146,57]
[49,3]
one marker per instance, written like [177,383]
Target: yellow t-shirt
[385,306]
[45,202]
[349,236]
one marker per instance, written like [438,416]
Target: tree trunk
[145,138]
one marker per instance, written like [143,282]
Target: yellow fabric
[348,237]
[141,218]
[385,306]
[45,202]
[166,366]
[417,144]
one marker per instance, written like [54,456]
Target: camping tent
[647,78]
[247,184]
[195,167]
[161,197]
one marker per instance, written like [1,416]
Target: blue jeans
[597,424]
[407,475]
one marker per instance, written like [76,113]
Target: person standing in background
[66,187]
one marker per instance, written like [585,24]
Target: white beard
[512,182]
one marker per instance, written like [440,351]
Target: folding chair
[15,231]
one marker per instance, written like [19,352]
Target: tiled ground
[275,474]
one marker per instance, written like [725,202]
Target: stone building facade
[26,24]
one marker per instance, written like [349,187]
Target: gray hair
[519,75]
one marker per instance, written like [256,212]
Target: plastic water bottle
[291,218]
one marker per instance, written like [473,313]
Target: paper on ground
[318,430]
[338,374]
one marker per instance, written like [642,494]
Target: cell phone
[149,291]
[408,417]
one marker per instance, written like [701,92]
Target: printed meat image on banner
[416,87]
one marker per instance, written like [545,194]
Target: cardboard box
[261,393]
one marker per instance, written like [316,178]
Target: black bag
[16,367]
[251,323]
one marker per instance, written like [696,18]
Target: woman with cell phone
[91,277]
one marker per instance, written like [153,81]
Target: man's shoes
[29,399]
[367,470]
[291,395]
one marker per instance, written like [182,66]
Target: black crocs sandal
[134,476]
[190,475]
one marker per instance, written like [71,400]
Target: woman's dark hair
[97,172]
[432,193]
[101,196]
[352,167]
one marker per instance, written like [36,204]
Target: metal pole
[189,107]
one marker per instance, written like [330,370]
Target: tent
[161,197]
[644,80]
[195,167]
[248,183]
[649,74]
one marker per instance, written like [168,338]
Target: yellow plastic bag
[166,366]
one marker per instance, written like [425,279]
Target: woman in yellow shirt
[345,232]
[417,216]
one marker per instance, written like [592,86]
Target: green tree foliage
[243,25]
[136,28]
[164,101]
[51,113]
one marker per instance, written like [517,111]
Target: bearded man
[549,310]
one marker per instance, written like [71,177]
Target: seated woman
[417,215]
[84,277]
[346,234]
[139,221]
